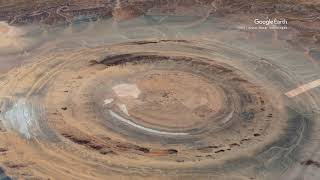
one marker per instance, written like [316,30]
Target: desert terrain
[151,89]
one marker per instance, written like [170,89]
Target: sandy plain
[176,90]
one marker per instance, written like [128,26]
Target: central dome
[168,99]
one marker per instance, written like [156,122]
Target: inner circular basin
[173,99]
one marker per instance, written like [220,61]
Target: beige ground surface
[158,90]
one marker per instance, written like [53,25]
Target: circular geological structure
[160,90]
[155,109]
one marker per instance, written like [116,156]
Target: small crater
[159,152]
[234,145]
[310,162]
[244,140]
[219,151]
[179,160]
[3,149]
[76,139]
[106,151]
[256,134]
[64,108]
[143,149]
[172,151]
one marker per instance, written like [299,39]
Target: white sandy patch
[127,90]
[228,118]
[154,131]
[107,101]
[123,108]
